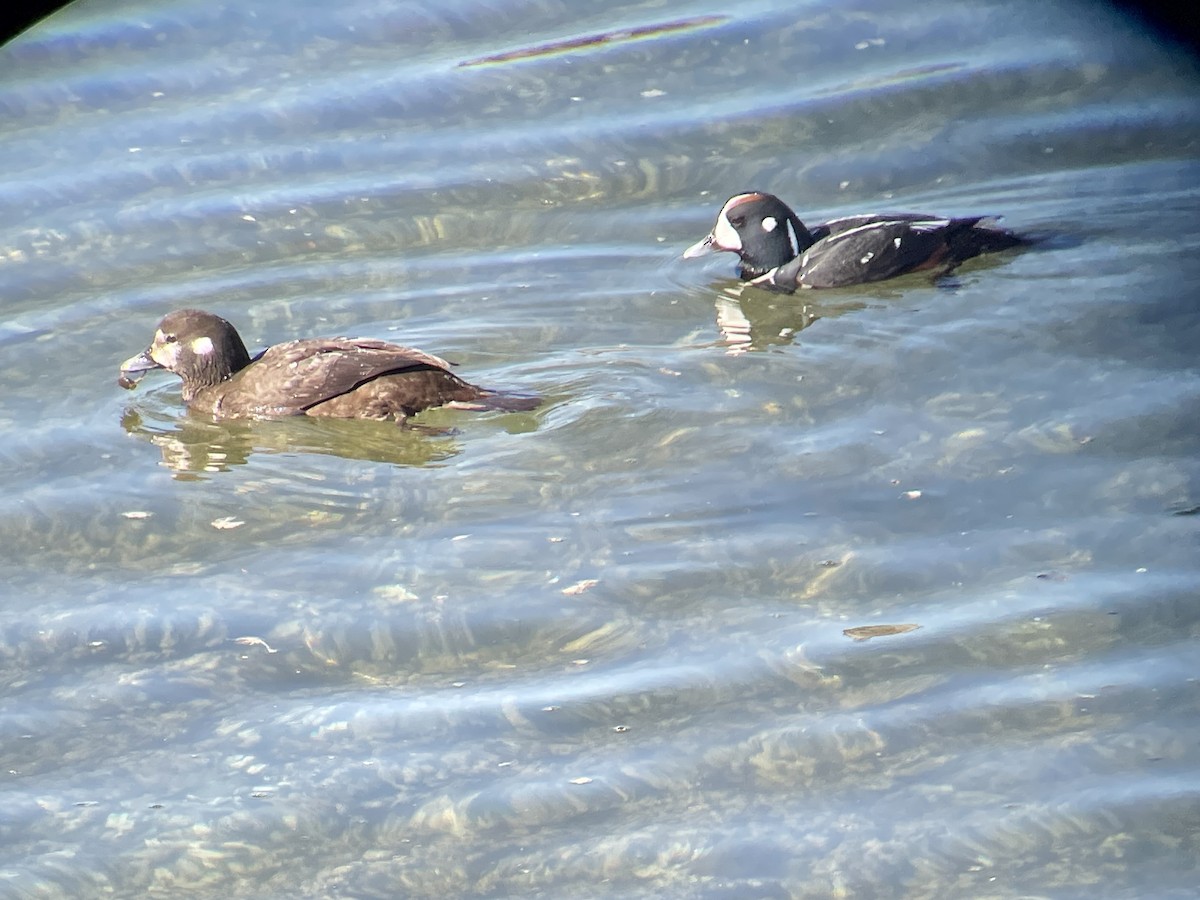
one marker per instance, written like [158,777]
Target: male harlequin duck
[338,377]
[778,252]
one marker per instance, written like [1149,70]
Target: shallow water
[653,639]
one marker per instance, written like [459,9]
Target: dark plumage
[339,377]
[777,251]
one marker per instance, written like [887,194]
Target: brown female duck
[339,377]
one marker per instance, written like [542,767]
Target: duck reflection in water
[194,447]
[752,319]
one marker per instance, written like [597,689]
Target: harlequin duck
[778,252]
[339,377]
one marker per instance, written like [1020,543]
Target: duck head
[202,349]
[760,228]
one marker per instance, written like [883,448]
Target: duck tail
[982,235]
[502,401]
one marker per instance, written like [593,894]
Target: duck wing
[857,253]
[289,378]
[848,223]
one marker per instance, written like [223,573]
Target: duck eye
[737,221]
[169,338]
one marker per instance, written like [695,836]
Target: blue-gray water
[599,650]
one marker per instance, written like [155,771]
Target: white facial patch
[202,346]
[164,351]
[725,235]
[769,223]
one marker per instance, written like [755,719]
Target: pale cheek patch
[164,354]
[769,223]
[725,236]
[202,346]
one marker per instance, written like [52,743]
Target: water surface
[653,639]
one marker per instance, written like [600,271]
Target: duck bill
[701,248]
[136,366]
[143,362]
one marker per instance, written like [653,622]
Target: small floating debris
[251,641]
[582,779]
[137,514]
[127,382]
[580,586]
[226,522]
[396,593]
[866,632]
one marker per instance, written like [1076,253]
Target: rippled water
[656,638]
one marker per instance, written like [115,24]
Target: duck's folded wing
[299,374]
[869,252]
[848,223]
